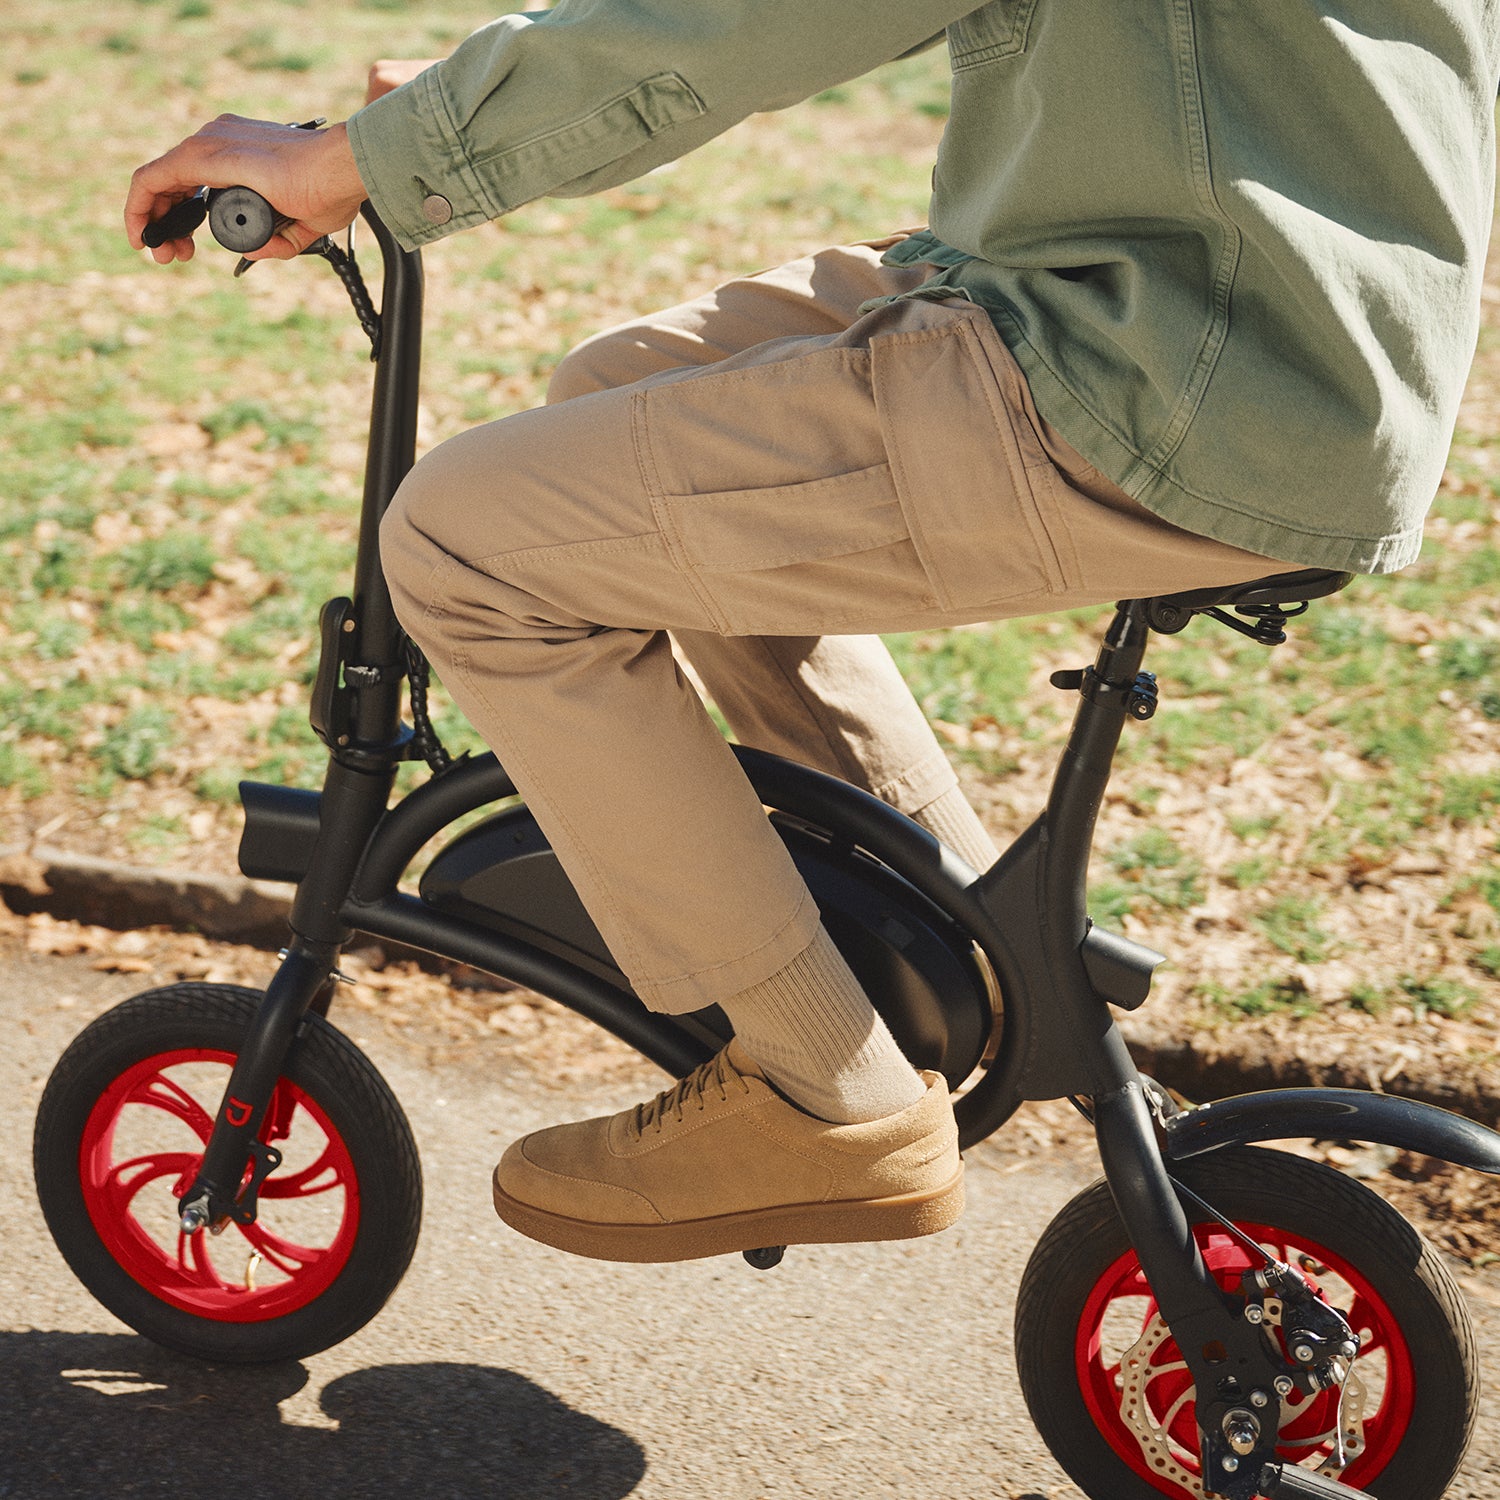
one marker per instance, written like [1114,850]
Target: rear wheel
[1109,1391]
[120,1134]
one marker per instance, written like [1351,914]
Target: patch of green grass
[1469,799]
[262,49]
[1467,659]
[1342,632]
[1488,960]
[1485,885]
[309,564]
[57,566]
[1435,995]
[289,767]
[1290,924]
[220,783]
[159,832]
[1444,997]
[180,559]
[140,620]
[58,637]
[18,769]
[1247,829]
[1370,998]
[1248,873]
[134,748]
[279,431]
[1159,869]
[1272,997]
[1111,901]
[975,679]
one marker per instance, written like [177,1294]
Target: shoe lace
[715,1074]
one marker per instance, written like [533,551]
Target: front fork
[239,1155]
[237,1160]
[1240,1374]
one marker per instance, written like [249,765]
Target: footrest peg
[767,1257]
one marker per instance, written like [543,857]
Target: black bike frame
[1027,914]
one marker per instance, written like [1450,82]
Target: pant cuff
[688,992]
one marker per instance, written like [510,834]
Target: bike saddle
[1268,600]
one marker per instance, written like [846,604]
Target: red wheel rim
[1121,1294]
[308,1208]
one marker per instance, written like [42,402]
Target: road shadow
[90,1416]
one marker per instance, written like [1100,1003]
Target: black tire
[135,1074]
[1418,1365]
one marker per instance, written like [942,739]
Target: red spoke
[126,1179]
[194,1263]
[167,1095]
[282,1253]
[304,1183]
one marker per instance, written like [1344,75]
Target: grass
[182,455]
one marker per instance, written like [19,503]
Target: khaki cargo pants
[771,476]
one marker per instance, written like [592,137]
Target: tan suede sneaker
[721,1162]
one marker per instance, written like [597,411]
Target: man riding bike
[1196,304]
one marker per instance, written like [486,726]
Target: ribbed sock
[819,1041]
[955,822]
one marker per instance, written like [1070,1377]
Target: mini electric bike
[227,1172]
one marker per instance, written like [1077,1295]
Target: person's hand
[307,175]
[390,73]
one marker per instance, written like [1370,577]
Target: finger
[149,198]
[170,250]
[286,244]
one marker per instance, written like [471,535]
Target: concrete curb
[109,893]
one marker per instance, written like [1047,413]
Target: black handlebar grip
[241,220]
[177,223]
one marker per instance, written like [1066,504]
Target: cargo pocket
[815,558]
[971,474]
[996,30]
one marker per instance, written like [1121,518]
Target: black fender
[1332,1115]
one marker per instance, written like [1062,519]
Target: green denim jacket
[1236,245]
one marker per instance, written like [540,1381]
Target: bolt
[1348,1349]
[1255,1313]
[1284,1385]
[1242,1431]
[1230,1464]
[1304,1354]
[194,1218]
[1259,1398]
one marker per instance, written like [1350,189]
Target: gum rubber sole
[907,1216]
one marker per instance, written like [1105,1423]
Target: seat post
[1112,690]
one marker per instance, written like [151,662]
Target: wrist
[338,169]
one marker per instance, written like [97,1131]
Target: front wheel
[120,1134]
[1110,1393]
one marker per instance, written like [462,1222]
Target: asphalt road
[503,1369]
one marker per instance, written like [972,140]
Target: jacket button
[437,209]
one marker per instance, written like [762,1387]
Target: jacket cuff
[413,165]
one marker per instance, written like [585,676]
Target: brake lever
[179,221]
[320,246]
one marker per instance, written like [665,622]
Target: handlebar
[238,218]
[242,220]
